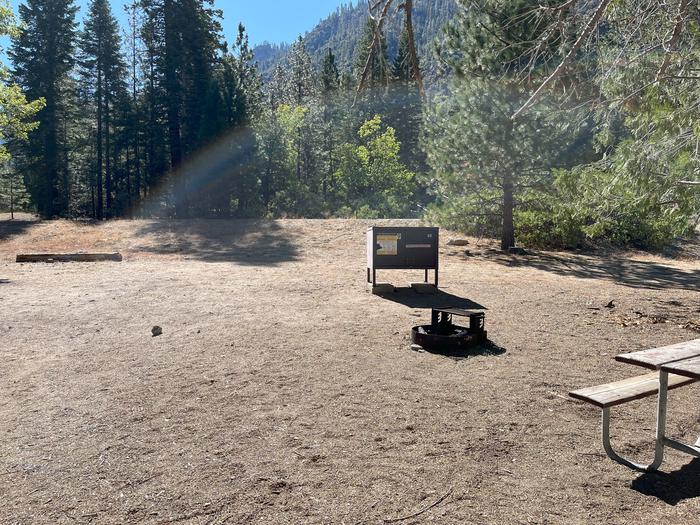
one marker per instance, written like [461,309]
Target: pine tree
[182,40]
[16,115]
[373,98]
[232,105]
[156,162]
[103,69]
[330,76]
[332,122]
[404,106]
[277,89]
[483,160]
[43,58]
[302,77]
[379,68]
[134,122]
[401,68]
[13,194]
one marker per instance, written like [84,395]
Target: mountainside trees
[344,28]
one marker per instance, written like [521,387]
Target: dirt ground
[283,392]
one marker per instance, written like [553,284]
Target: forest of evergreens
[166,118]
[343,29]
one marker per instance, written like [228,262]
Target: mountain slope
[343,29]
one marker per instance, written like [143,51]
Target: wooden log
[69,257]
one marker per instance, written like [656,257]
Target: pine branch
[588,30]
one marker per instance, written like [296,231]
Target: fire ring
[444,335]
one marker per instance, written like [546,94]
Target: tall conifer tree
[43,58]
[182,39]
[104,70]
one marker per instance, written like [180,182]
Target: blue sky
[274,21]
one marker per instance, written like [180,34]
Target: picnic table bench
[674,366]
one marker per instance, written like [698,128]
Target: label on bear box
[389,244]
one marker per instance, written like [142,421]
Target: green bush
[591,207]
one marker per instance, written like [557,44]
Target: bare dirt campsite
[281,391]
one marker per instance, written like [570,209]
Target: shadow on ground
[409,297]
[11,228]
[488,348]
[671,488]
[635,274]
[246,242]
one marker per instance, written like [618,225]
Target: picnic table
[674,366]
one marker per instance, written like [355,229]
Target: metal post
[661,440]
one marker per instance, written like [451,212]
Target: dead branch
[426,509]
[415,65]
[375,49]
[591,26]
[376,40]
[670,46]
[561,7]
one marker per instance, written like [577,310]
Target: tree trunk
[98,184]
[137,161]
[66,197]
[108,160]
[150,166]
[415,65]
[508,234]
[172,87]
[136,116]
[49,203]
[129,205]
[12,198]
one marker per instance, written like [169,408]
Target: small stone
[157,331]
[417,348]
[458,242]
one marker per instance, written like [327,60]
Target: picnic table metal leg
[661,439]
[668,442]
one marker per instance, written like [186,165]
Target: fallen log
[69,257]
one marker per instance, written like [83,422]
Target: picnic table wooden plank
[630,389]
[686,367]
[655,358]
